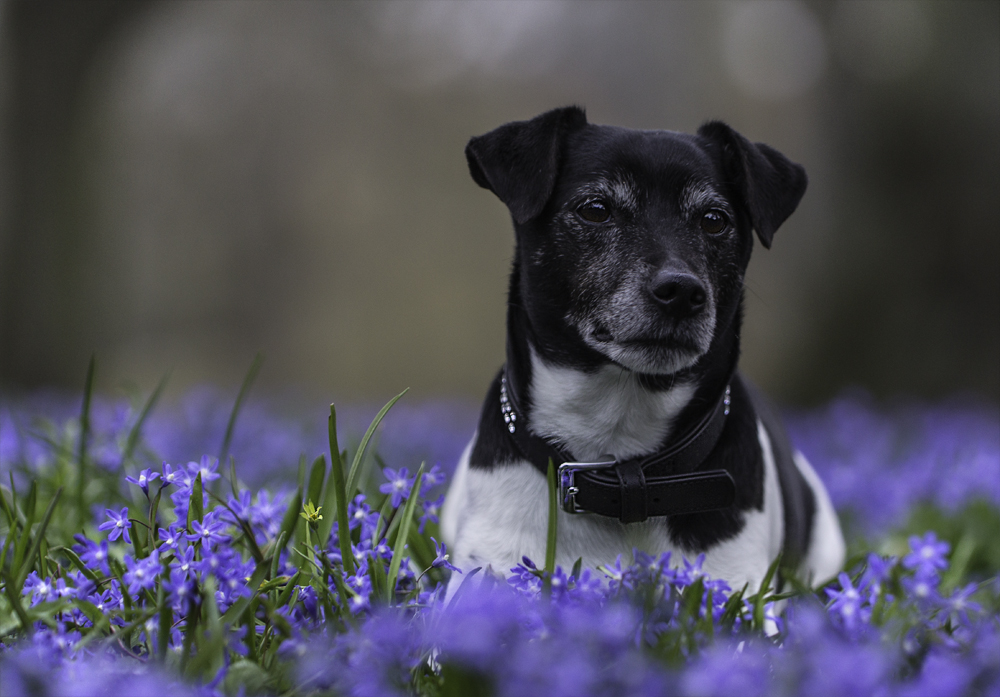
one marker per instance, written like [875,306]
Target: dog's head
[632,245]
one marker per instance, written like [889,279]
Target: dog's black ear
[770,183]
[519,160]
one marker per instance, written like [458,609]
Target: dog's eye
[594,212]
[714,221]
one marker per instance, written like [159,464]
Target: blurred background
[184,184]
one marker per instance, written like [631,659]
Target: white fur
[606,412]
[494,517]
[826,544]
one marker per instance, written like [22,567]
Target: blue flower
[398,486]
[141,573]
[206,468]
[927,555]
[146,477]
[208,532]
[171,536]
[172,476]
[846,604]
[431,511]
[118,524]
[441,557]
[93,554]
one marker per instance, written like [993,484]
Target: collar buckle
[567,481]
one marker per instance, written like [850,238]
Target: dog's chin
[651,358]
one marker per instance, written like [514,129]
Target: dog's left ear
[770,183]
[519,160]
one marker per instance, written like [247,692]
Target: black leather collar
[667,482]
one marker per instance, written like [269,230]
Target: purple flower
[209,532]
[93,554]
[432,478]
[184,561]
[398,486]
[846,604]
[959,606]
[172,536]
[928,554]
[180,589]
[359,513]
[146,477]
[141,573]
[172,476]
[923,588]
[431,511]
[206,468]
[118,525]
[441,557]
[41,589]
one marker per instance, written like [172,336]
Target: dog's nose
[680,294]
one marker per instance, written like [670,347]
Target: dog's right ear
[519,160]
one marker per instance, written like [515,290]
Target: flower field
[220,547]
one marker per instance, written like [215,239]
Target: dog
[623,327]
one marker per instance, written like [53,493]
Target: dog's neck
[605,411]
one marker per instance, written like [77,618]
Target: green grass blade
[404,533]
[81,453]
[340,489]
[758,599]
[21,546]
[136,431]
[290,521]
[550,542]
[317,472]
[329,501]
[354,477]
[251,375]
[7,511]
[37,542]
[276,555]
[196,504]
[233,484]
[15,601]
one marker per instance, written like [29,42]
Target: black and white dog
[623,330]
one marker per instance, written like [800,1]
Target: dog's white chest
[494,517]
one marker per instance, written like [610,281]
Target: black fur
[565,270]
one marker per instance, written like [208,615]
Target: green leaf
[404,531]
[291,519]
[286,592]
[166,619]
[275,558]
[36,543]
[81,454]
[233,482]
[550,540]
[196,504]
[78,563]
[329,503]
[251,375]
[765,588]
[316,474]
[15,601]
[21,546]
[11,518]
[340,489]
[355,474]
